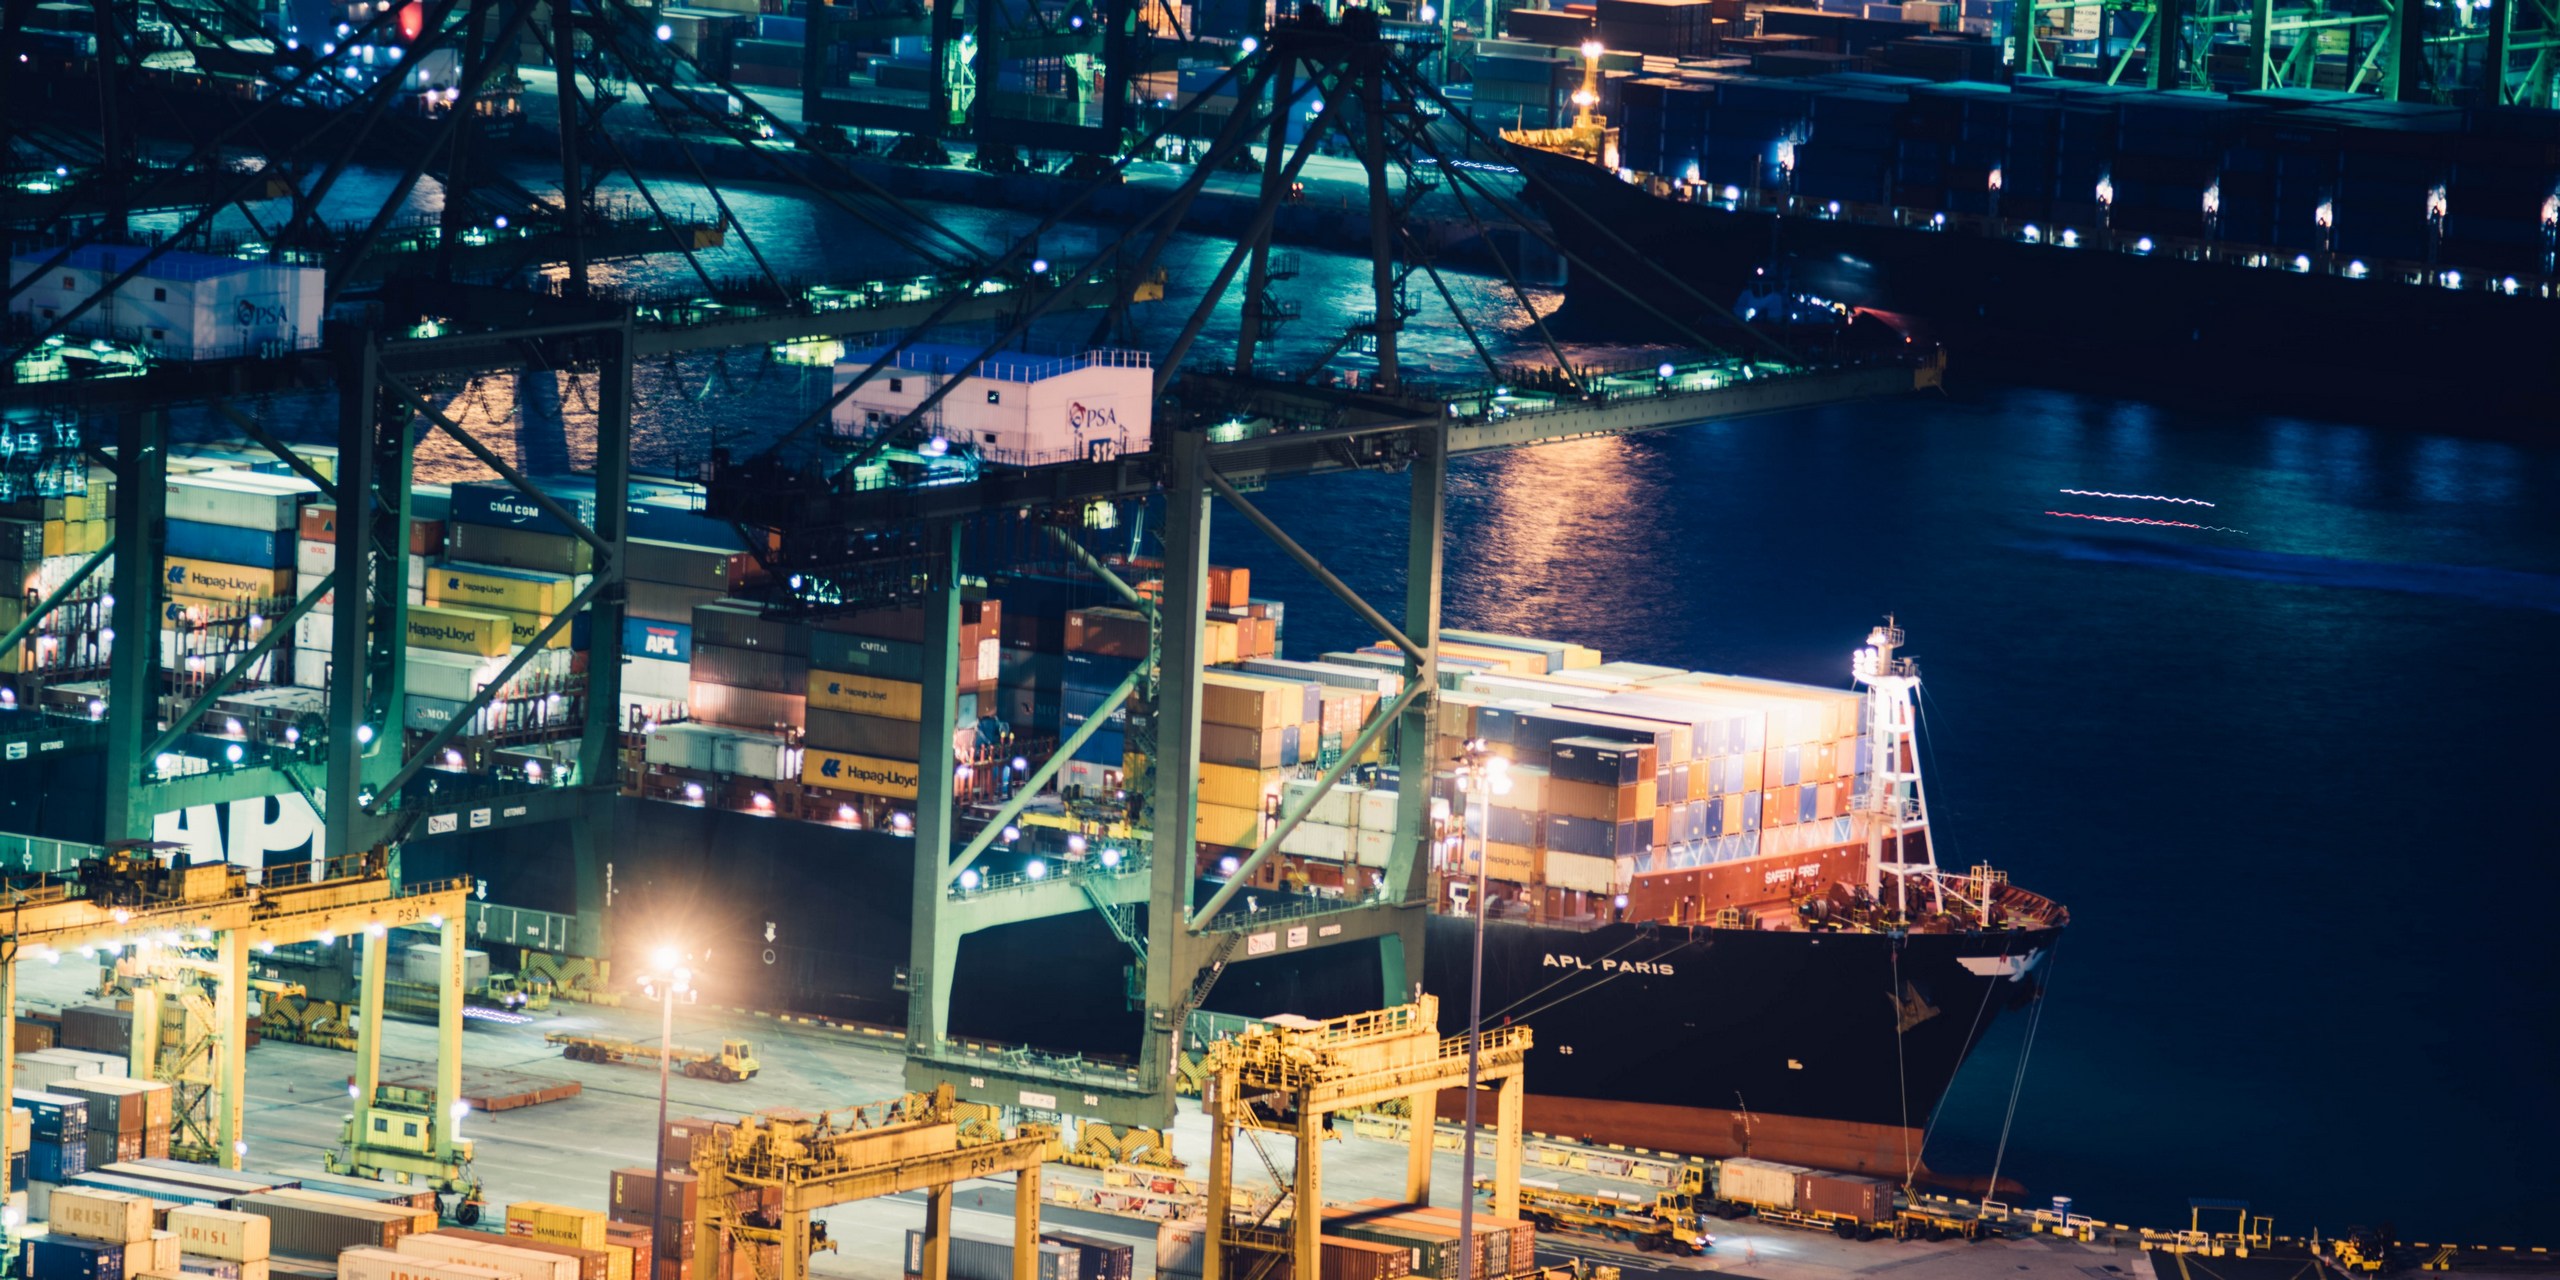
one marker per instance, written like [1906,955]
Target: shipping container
[227,1234]
[975,1259]
[111,1216]
[370,1263]
[1758,1182]
[485,1249]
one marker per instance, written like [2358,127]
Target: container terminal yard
[905,845]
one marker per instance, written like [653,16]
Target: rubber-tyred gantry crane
[1287,1075]
[911,1143]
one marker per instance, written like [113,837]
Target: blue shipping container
[650,638]
[505,507]
[224,544]
[68,1258]
[51,1160]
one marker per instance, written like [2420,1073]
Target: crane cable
[2018,1082]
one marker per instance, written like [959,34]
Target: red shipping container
[1864,1200]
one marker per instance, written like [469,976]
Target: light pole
[667,980]
[1482,775]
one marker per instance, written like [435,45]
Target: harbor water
[2277,754]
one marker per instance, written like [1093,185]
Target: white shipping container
[513,1261]
[222,497]
[453,677]
[755,755]
[312,630]
[311,669]
[109,1066]
[1760,1182]
[224,1234]
[1335,809]
[1374,847]
[190,1264]
[1587,874]
[111,1216]
[44,1068]
[366,1263]
[313,562]
[658,679]
[682,746]
[423,962]
[1378,810]
[1182,1246]
[1318,840]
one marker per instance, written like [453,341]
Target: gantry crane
[1287,1074]
[184,934]
[911,1143]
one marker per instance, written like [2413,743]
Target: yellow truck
[1668,1222]
[735,1061]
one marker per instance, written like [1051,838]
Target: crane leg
[1026,1224]
[936,1264]
[1417,1155]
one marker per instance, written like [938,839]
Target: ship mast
[1893,802]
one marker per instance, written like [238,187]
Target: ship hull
[1826,1049]
[2085,317]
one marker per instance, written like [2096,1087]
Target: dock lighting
[1075,843]
[763,801]
[1227,865]
[452,758]
[844,813]
[1250,44]
[901,822]
[1732,192]
[2069,239]
[969,880]
[1012,834]
[2453,279]
[1110,859]
[2302,262]
[1992,180]
[1667,370]
[502,222]
[364,734]
[435,922]
[2508,286]
[461,1108]
[8,698]
[693,792]
[533,770]
[1036,869]
[936,447]
[373,930]
[1593,48]
[666,32]
[2355,270]
[266,946]
[231,725]
[292,735]
[1039,266]
[1021,765]
[351,1090]
[2142,245]
[233,753]
[97,708]
[328,937]
[2107,190]
[328,49]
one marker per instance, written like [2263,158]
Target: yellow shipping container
[1229,825]
[1237,788]
[617,1261]
[867,775]
[475,631]
[1218,644]
[556,1224]
[1577,658]
[523,627]
[1518,662]
[541,593]
[1248,702]
[867,695]
[223,583]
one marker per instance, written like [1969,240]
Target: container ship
[1715,897]
[2063,231]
